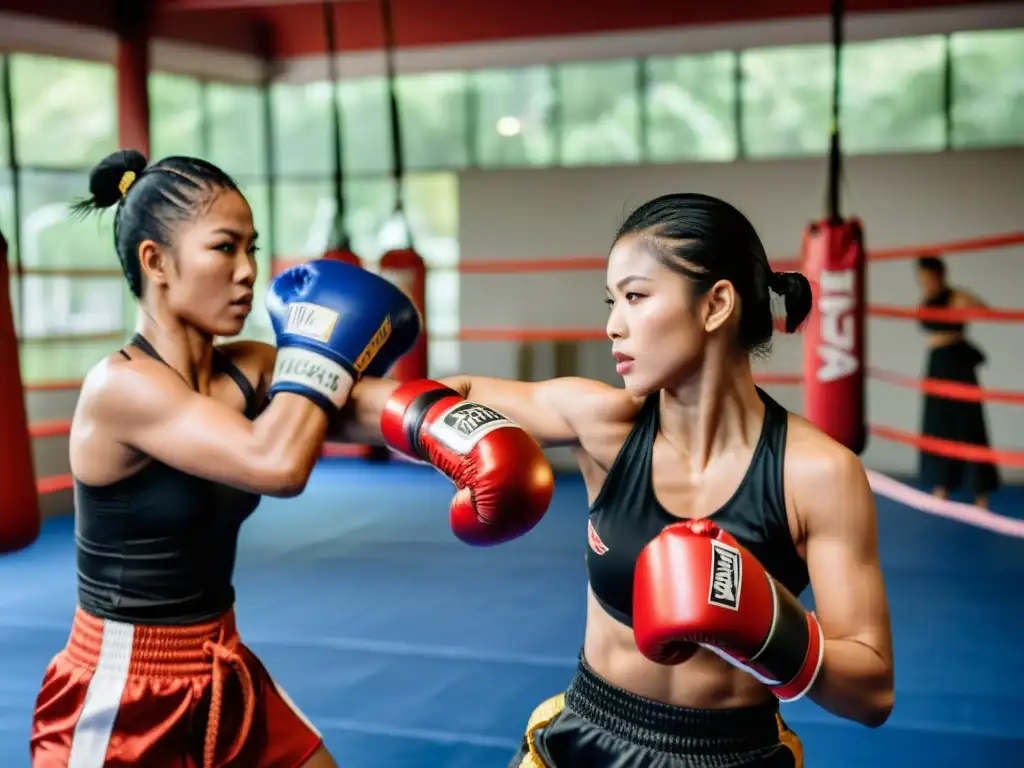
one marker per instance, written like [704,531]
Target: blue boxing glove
[334,322]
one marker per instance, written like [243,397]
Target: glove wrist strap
[416,413]
[803,682]
[303,371]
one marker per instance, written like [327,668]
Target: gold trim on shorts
[551,708]
[541,718]
[790,741]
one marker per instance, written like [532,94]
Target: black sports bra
[158,547]
[626,515]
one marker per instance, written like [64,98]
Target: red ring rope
[54,483]
[991,242]
[49,428]
[532,334]
[525,335]
[950,390]
[65,385]
[490,266]
[974,314]
[951,449]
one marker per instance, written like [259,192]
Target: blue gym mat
[407,648]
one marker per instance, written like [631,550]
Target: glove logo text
[464,425]
[467,418]
[311,321]
[726,572]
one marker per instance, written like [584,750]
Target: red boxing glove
[503,479]
[695,583]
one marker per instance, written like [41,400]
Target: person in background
[951,357]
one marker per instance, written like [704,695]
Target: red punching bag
[402,266]
[406,269]
[277,266]
[19,500]
[833,260]
[344,254]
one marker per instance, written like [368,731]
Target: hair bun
[106,178]
[795,289]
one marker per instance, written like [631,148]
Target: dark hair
[932,264]
[151,200]
[708,240]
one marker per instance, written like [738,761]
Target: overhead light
[509,126]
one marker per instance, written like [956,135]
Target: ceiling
[283,29]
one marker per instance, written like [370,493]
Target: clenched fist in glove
[694,583]
[335,322]
[503,479]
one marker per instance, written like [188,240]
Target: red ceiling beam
[298,31]
[179,6]
[94,14]
[295,27]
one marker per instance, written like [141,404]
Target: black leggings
[596,725]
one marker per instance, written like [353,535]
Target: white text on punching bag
[838,329]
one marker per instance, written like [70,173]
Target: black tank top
[158,547]
[626,515]
[941,300]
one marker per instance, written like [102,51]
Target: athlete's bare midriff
[704,681]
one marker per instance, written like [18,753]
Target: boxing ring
[407,648]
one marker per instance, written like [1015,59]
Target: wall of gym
[929,99]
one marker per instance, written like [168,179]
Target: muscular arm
[553,411]
[150,410]
[838,510]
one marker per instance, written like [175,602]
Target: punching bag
[339,245]
[402,266]
[406,269]
[833,260]
[19,500]
[344,254]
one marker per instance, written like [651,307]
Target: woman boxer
[951,357]
[171,448]
[711,508]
